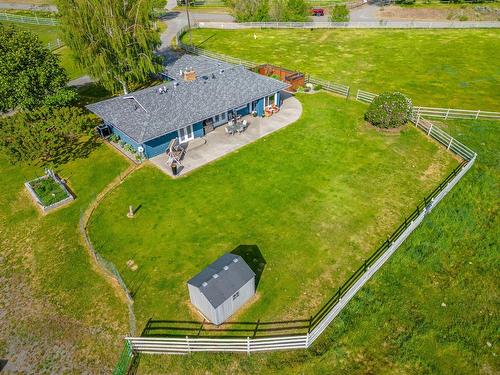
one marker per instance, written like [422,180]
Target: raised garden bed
[49,192]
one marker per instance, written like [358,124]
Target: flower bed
[49,192]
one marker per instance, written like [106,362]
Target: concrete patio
[217,143]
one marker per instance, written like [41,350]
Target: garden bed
[49,192]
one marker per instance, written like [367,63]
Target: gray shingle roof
[147,114]
[200,64]
[229,281]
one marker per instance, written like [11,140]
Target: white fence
[365,96]
[28,19]
[330,86]
[451,113]
[444,113]
[353,25]
[444,138]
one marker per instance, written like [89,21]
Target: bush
[340,13]
[405,2]
[114,138]
[389,110]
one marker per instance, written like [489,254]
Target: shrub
[463,18]
[389,110]
[318,87]
[405,2]
[114,138]
[340,13]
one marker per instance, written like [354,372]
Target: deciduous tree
[29,72]
[113,40]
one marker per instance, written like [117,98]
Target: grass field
[432,309]
[58,314]
[456,68]
[315,199]
[48,34]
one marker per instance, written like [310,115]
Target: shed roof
[147,114]
[231,272]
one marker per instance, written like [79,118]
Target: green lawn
[58,314]
[316,198]
[432,309]
[48,34]
[456,68]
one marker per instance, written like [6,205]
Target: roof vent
[235,260]
[221,71]
[176,84]
[226,268]
[204,283]
[215,276]
[213,75]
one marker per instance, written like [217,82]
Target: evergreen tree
[113,40]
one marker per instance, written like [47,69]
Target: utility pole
[189,23]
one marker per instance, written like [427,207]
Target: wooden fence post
[248,345]
[449,145]
[188,347]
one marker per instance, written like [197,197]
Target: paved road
[175,20]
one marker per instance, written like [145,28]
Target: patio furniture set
[236,125]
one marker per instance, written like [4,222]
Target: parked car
[317,12]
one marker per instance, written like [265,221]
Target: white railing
[365,96]
[444,113]
[28,19]
[189,344]
[330,86]
[58,43]
[353,25]
[442,137]
[452,113]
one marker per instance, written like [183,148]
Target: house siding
[158,145]
[198,130]
[123,137]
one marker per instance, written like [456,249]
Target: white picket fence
[444,113]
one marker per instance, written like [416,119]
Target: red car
[317,11]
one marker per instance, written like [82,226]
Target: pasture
[436,68]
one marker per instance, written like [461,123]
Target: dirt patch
[387,131]
[468,13]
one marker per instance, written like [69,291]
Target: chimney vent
[189,75]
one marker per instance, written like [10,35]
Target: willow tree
[113,40]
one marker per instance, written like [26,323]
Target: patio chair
[175,152]
[241,126]
[230,129]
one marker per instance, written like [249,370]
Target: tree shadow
[79,149]
[252,255]
[3,363]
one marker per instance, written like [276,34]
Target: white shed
[222,288]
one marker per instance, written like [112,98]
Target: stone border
[46,209]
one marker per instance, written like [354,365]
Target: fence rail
[444,113]
[28,19]
[452,113]
[353,25]
[330,86]
[365,96]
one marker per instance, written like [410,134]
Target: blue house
[201,94]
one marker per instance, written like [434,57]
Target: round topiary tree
[389,110]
